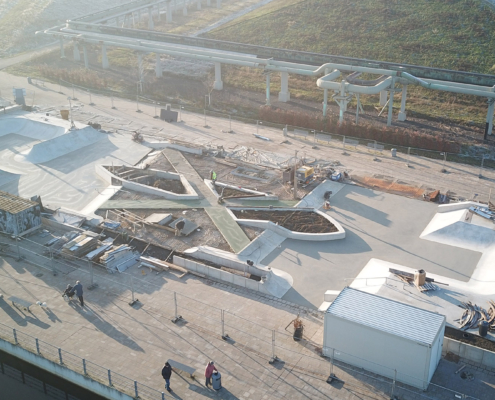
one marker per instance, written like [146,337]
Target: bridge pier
[284,95]
[218,84]
[489,117]
[168,15]
[77,55]
[151,25]
[62,50]
[184,10]
[358,104]
[267,89]
[325,101]
[199,4]
[85,55]
[104,58]
[402,113]
[140,67]
[383,97]
[158,66]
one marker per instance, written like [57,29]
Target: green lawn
[452,34]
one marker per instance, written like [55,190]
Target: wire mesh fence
[271,344]
[75,363]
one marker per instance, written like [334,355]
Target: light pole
[444,161]
[72,125]
[257,124]
[206,125]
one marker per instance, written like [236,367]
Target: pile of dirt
[296,221]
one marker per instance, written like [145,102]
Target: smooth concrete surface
[377,225]
[69,179]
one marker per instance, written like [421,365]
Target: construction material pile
[80,245]
[474,314]
[253,156]
[119,258]
[419,280]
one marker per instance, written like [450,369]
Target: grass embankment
[451,34]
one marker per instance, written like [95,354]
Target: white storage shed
[383,336]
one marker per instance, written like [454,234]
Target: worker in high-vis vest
[213,176]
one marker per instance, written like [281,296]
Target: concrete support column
[284,94]
[151,25]
[325,102]
[489,117]
[77,55]
[139,16]
[219,3]
[218,84]
[390,103]
[342,103]
[158,12]
[199,4]
[85,55]
[267,89]
[357,107]
[104,58]
[62,50]
[383,97]
[158,67]
[402,114]
[184,10]
[169,12]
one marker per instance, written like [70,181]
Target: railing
[80,365]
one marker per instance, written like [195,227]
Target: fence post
[84,367]
[481,167]
[176,316]
[60,87]
[408,156]
[109,378]
[136,389]
[73,96]
[15,337]
[224,336]
[274,357]
[137,104]
[393,385]
[60,356]
[37,346]
[163,396]
[111,97]
[230,124]
[133,300]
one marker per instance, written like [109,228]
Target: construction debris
[484,212]
[153,263]
[119,258]
[420,281]
[473,315]
[80,245]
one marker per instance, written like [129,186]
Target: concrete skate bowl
[28,128]
[292,223]
[59,146]
[461,228]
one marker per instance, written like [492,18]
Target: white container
[384,337]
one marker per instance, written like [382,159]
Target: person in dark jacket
[210,367]
[78,289]
[167,373]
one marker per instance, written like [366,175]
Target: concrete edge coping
[262,195]
[280,230]
[105,174]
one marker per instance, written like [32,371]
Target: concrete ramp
[7,177]
[457,228]
[32,129]
[61,145]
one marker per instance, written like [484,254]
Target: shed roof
[387,315]
[14,204]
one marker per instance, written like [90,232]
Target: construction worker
[178,227]
[213,176]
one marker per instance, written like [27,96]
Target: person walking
[78,289]
[210,367]
[167,373]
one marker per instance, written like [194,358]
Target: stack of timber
[119,258]
[474,314]
[80,245]
[154,263]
